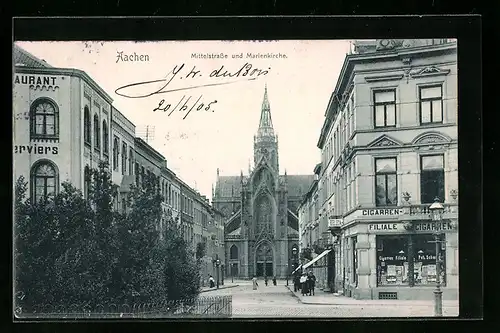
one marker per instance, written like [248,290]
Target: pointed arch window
[44,119]
[86,125]
[233,252]
[97,133]
[105,137]
[44,180]
[116,153]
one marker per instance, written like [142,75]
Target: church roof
[227,186]
[298,185]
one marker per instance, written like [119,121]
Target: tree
[201,250]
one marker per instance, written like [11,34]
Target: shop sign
[382,212]
[433,226]
[383,227]
[35,79]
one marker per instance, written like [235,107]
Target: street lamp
[437,210]
[217,264]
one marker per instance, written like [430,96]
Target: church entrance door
[264,260]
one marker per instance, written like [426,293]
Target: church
[261,227]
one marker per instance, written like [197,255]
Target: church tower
[266,142]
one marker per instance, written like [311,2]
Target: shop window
[431,104]
[386,182]
[392,260]
[432,178]
[44,180]
[44,119]
[97,133]
[385,108]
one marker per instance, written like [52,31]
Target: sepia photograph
[235,179]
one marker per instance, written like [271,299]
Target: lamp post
[232,273]
[217,264]
[437,215]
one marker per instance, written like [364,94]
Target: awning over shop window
[296,269]
[324,253]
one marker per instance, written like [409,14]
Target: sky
[299,87]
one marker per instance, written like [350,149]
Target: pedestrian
[255,284]
[311,282]
[274,280]
[296,282]
[303,280]
[211,280]
[265,280]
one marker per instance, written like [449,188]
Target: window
[97,136]
[44,119]
[131,162]
[393,253]
[431,104]
[86,182]
[44,180]
[116,152]
[386,182]
[385,108]
[86,125]
[105,137]
[137,173]
[124,158]
[431,178]
[124,204]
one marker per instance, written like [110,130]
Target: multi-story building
[389,148]
[64,124]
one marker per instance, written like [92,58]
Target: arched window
[86,182]
[44,180]
[44,119]
[137,174]
[105,137]
[116,152]
[86,125]
[124,158]
[97,133]
[233,252]
[131,162]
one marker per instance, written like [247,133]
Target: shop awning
[324,253]
[296,269]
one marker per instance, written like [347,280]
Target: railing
[215,306]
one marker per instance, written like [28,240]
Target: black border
[467,29]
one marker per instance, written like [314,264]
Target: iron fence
[212,306]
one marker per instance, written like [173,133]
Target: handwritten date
[187,105]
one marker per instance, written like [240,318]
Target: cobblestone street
[279,301]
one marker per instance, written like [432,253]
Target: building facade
[262,225]
[389,148]
[64,124]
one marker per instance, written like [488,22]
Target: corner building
[389,148]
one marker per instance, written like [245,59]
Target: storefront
[379,258]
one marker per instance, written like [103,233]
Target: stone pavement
[279,302]
[321,297]
[225,286]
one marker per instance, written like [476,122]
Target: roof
[297,185]
[228,186]
[20,56]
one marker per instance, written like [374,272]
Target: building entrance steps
[321,297]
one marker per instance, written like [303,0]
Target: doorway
[264,260]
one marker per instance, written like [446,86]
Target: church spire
[266,123]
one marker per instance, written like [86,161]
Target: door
[331,271]
[269,269]
[264,260]
[260,269]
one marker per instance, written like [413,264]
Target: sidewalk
[326,298]
[225,286]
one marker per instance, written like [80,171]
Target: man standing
[312,283]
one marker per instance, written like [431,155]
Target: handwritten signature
[247,71]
